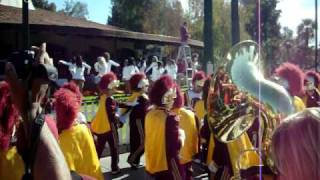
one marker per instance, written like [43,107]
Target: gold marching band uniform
[11,164]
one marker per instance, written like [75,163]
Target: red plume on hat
[8,116]
[106,80]
[200,75]
[134,81]
[315,76]
[75,89]
[294,75]
[179,101]
[159,88]
[67,108]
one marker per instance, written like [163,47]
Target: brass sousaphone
[245,67]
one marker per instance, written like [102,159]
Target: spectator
[77,70]
[48,161]
[195,63]
[294,159]
[101,67]
[42,56]
[142,64]
[129,69]
[157,69]
[171,69]
[109,62]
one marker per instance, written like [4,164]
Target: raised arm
[136,69]
[96,67]
[87,66]
[65,63]
[175,68]
[150,67]
[114,63]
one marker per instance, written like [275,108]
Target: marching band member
[292,78]
[162,143]
[81,118]
[312,94]
[206,135]
[11,163]
[105,123]
[188,123]
[139,86]
[76,141]
[223,156]
[194,96]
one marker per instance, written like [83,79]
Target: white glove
[132,103]
[182,136]
[212,167]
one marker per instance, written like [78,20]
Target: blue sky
[293,11]
[98,9]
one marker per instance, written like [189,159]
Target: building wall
[64,46]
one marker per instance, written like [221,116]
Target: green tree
[270,29]
[75,9]
[222,36]
[129,14]
[306,31]
[195,18]
[164,17]
[150,16]
[44,4]
[287,33]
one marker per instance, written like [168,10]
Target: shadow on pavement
[127,173]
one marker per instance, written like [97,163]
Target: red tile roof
[43,19]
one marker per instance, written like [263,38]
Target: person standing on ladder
[184,53]
[184,34]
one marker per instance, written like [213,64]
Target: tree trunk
[208,33]
[235,22]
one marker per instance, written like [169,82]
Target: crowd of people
[152,67]
[172,128]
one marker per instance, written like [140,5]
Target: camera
[23,62]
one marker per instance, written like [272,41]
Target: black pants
[112,138]
[136,141]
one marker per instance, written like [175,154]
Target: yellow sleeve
[210,149]
[298,104]
[200,110]
[11,164]
[91,164]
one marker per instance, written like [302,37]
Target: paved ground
[127,173]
